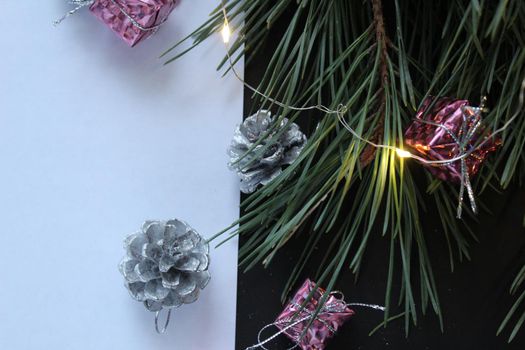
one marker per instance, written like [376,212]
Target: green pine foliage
[513,312]
[380,63]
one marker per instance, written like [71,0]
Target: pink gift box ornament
[439,123]
[295,318]
[133,20]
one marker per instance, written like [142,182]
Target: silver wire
[79,3]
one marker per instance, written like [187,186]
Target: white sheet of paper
[95,138]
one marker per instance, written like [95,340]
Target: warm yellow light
[226,32]
[402,153]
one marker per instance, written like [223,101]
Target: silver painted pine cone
[254,169]
[166,264]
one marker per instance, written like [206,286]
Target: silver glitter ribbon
[80,4]
[310,315]
[83,3]
[463,140]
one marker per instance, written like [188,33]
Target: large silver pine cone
[166,264]
[253,168]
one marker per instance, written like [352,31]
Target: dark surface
[474,298]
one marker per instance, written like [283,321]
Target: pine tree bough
[337,52]
[369,152]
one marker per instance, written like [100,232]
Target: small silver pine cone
[253,169]
[166,264]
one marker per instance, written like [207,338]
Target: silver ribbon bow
[469,126]
[79,5]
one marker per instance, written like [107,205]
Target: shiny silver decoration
[283,143]
[79,4]
[467,135]
[166,265]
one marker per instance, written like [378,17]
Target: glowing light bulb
[402,153]
[226,32]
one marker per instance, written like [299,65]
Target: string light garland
[226,32]
[401,153]
[341,111]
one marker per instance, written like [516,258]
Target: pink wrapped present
[133,20]
[295,318]
[439,123]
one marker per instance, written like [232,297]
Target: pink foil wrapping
[334,313]
[435,143]
[147,13]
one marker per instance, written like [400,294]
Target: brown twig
[382,40]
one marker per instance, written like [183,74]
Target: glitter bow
[471,120]
[79,5]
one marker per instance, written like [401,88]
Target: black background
[474,298]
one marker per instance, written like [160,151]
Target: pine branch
[334,52]
[518,282]
[369,152]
